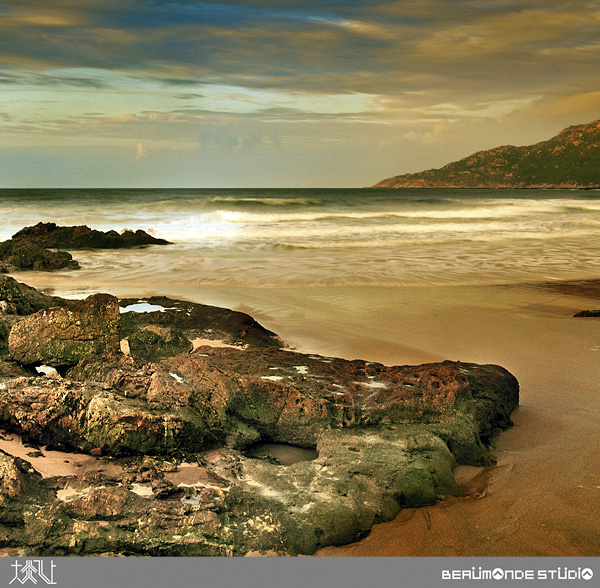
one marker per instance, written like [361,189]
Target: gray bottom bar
[304,572]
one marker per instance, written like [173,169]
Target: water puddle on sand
[55,463]
[143,307]
[286,454]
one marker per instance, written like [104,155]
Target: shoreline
[517,507]
[541,497]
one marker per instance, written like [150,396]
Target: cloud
[241,75]
[586,105]
[128,117]
[140,152]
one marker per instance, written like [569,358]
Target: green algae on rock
[63,336]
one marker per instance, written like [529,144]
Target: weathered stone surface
[82,237]
[12,482]
[241,397]
[369,465]
[87,416]
[63,336]
[120,372]
[10,369]
[198,321]
[20,299]
[153,343]
[18,256]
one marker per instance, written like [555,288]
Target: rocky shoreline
[167,399]
[41,247]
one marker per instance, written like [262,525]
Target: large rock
[373,458]
[281,396]
[82,237]
[12,482]
[293,398]
[21,299]
[63,336]
[23,255]
[378,438]
[196,321]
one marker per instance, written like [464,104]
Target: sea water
[342,237]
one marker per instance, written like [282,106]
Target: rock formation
[63,336]
[173,432]
[568,160]
[21,255]
[30,248]
[50,235]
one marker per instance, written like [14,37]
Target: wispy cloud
[230,74]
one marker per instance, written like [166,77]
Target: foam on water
[274,238]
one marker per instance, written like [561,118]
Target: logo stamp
[34,570]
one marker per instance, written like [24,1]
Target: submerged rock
[63,336]
[82,237]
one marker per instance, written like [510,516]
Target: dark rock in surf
[588,313]
[23,255]
[82,237]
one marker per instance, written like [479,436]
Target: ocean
[330,237]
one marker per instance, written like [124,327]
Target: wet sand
[50,463]
[543,497]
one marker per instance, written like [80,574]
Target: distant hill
[569,160]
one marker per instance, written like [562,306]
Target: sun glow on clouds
[279,89]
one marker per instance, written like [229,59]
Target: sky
[313,93]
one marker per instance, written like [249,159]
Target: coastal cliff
[571,159]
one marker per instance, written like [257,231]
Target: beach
[542,496]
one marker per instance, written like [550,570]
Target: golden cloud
[501,34]
[586,103]
[29,18]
